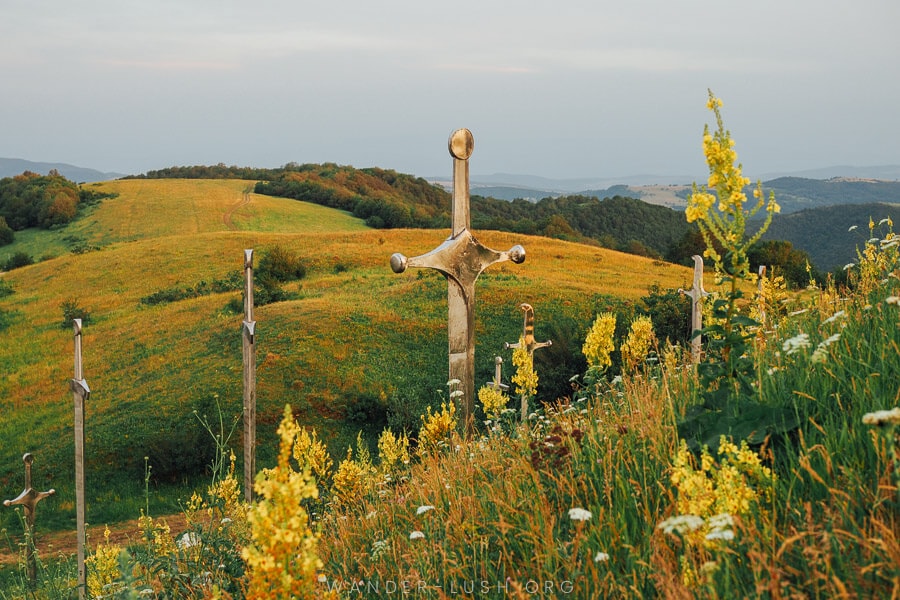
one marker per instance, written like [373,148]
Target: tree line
[386,199]
[41,201]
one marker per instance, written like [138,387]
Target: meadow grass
[351,335]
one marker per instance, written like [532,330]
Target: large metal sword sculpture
[461,259]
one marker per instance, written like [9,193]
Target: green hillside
[386,199]
[831,235]
[352,346]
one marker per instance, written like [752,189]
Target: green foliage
[281,264]
[830,235]
[7,235]
[6,288]
[230,283]
[32,200]
[72,309]
[786,260]
[17,260]
[671,314]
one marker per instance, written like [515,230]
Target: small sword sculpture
[248,331]
[696,293]
[498,372]
[80,393]
[29,499]
[530,344]
[461,259]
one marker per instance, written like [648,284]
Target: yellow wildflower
[492,400]
[599,341]
[526,378]
[393,451]
[311,453]
[282,557]
[638,343]
[103,569]
[438,430]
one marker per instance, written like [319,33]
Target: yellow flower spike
[525,378]
[599,341]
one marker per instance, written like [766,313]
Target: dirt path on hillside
[227,215]
[51,544]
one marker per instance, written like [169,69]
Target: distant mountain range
[10,167]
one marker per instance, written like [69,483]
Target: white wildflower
[721,534]
[892,300]
[681,524]
[416,535]
[882,417]
[601,557]
[188,540]
[580,514]
[720,521]
[838,315]
[424,509]
[796,343]
[848,266]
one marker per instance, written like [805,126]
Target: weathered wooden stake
[249,355]
[761,297]
[696,293]
[530,345]
[29,499]
[461,259]
[80,392]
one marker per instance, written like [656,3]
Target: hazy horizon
[561,91]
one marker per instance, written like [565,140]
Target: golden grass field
[357,329]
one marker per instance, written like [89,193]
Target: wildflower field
[768,466]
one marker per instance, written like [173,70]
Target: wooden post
[696,293]
[761,296]
[249,356]
[461,259]
[80,392]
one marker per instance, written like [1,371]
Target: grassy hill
[354,347]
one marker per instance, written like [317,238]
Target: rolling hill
[352,348]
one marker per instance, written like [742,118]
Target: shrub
[19,259]
[72,309]
[280,264]
[7,235]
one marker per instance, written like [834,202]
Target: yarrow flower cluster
[796,343]
[579,514]
[882,417]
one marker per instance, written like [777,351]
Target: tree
[7,236]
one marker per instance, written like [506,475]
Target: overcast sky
[559,88]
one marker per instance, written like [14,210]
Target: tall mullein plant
[720,210]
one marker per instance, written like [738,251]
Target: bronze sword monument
[461,259]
